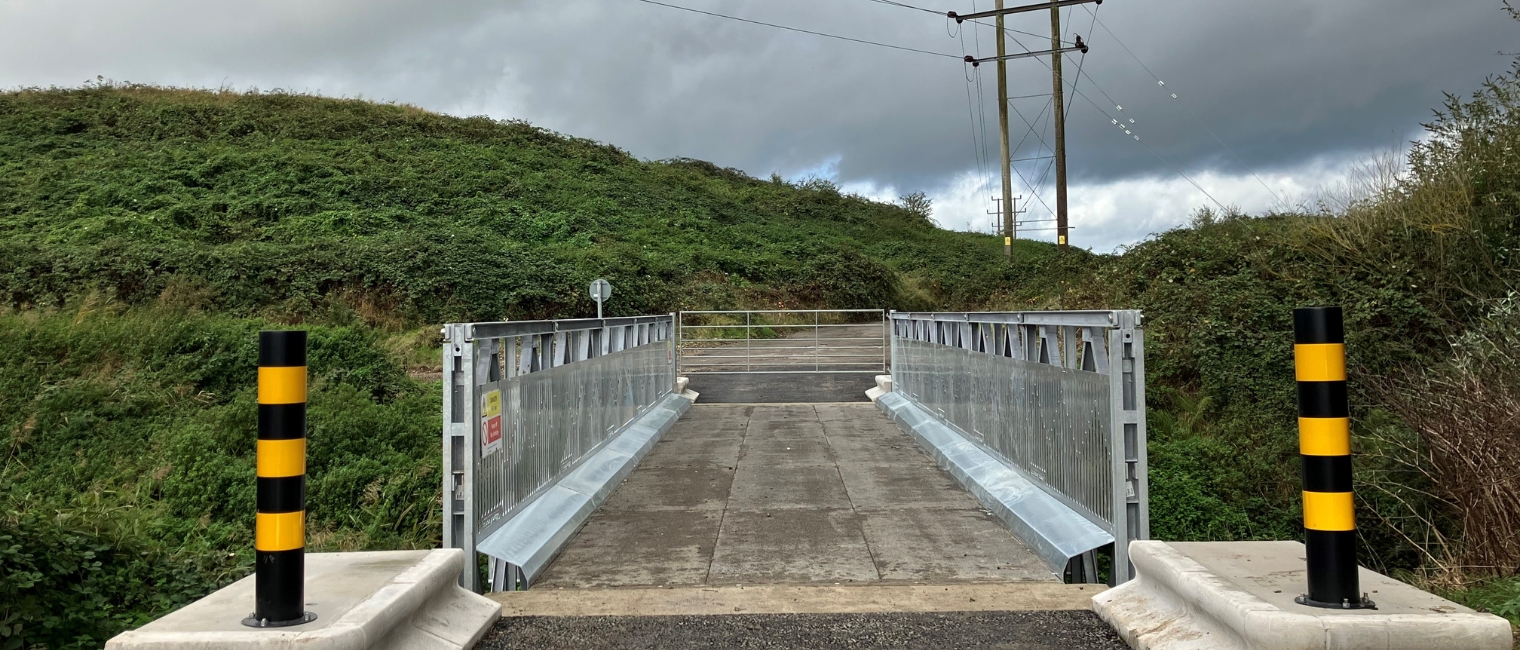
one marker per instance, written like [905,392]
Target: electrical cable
[981,104]
[1162,85]
[908,6]
[976,147]
[803,31]
[1105,113]
[1030,124]
[946,14]
[1081,62]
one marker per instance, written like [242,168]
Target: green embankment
[146,234]
[277,204]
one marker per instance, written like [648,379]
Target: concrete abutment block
[1239,596]
[364,601]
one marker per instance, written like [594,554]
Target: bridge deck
[789,493]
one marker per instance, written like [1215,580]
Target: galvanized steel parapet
[1059,396]
[525,402]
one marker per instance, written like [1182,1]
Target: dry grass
[1467,417]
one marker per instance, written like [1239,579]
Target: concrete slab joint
[1239,595]
[389,600]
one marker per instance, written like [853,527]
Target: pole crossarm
[959,18]
[1079,47]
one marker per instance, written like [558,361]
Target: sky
[1275,102]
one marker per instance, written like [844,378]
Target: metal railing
[1058,396]
[783,341]
[524,402]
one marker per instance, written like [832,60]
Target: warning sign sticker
[490,422]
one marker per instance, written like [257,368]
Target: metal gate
[776,341]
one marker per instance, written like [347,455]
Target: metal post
[458,527]
[747,326]
[1324,444]
[280,524]
[815,341]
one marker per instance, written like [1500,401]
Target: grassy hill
[282,205]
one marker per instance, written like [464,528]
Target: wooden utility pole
[1059,99]
[1007,203]
[1060,113]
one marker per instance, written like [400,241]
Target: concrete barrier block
[363,601]
[1239,596]
[884,382]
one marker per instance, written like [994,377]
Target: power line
[1006,29]
[908,6]
[802,31]
[981,105]
[976,147]
[1082,61]
[1147,147]
[1162,85]
[946,14]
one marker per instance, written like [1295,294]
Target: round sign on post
[600,291]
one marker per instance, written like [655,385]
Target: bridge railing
[524,402]
[1057,396]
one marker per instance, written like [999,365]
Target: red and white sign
[490,422]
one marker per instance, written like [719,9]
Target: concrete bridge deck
[802,493]
[792,526]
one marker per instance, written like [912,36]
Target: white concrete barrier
[1239,596]
[390,600]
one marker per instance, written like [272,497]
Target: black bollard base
[251,621]
[1364,603]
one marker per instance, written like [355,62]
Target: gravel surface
[1067,630]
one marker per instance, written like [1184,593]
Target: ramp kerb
[373,600]
[1056,532]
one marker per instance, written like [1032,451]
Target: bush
[127,488]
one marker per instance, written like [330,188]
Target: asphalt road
[1062,630]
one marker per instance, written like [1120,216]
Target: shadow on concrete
[789,388]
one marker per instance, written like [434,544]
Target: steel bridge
[709,450]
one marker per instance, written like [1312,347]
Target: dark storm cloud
[1283,82]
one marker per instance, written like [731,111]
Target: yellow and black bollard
[1324,443]
[280,527]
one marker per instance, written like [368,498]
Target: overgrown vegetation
[1421,253]
[148,233]
[127,478]
[278,205]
